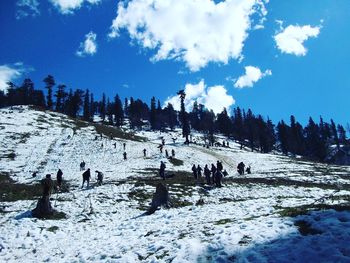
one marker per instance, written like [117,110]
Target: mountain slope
[244,221]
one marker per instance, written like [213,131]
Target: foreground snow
[241,222]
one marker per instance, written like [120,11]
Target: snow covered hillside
[287,210]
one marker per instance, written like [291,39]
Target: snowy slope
[245,221]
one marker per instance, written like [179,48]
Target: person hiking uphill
[59,178]
[99,177]
[86,178]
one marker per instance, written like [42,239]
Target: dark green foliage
[186,129]
[49,84]
[176,162]
[170,116]
[313,141]
[102,107]
[224,124]
[60,98]
[118,111]
[86,108]
[153,114]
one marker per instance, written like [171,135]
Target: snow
[240,222]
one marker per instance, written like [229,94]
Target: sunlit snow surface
[239,222]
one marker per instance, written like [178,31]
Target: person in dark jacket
[213,171]
[59,178]
[82,166]
[207,174]
[86,178]
[124,156]
[99,177]
[218,178]
[199,171]
[219,166]
[144,152]
[162,170]
[194,171]
[248,170]
[47,185]
[173,153]
[240,168]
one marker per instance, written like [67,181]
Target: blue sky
[295,53]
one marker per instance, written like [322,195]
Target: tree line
[254,131]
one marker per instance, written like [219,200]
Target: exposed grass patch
[180,184]
[176,162]
[76,124]
[223,221]
[12,191]
[55,216]
[117,133]
[285,182]
[305,209]
[10,156]
[52,229]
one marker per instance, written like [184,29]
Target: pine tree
[60,97]
[186,130]
[250,129]
[126,107]
[103,107]
[316,145]
[238,128]
[118,111]
[282,135]
[86,108]
[68,105]
[341,134]
[271,136]
[109,112]
[335,134]
[92,109]
[153,114]
[223,123]
[3,99]
[194,116]
[27,90]
[160,118]
[50,82]
[171,116]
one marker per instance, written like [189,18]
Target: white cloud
[68,6]
[196,32]
[27,8]
[89,46]
[213,98]
[291,39]
[10,73]
[252,75]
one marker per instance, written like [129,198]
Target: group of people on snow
[214,175]
[241,169]
[87,177]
